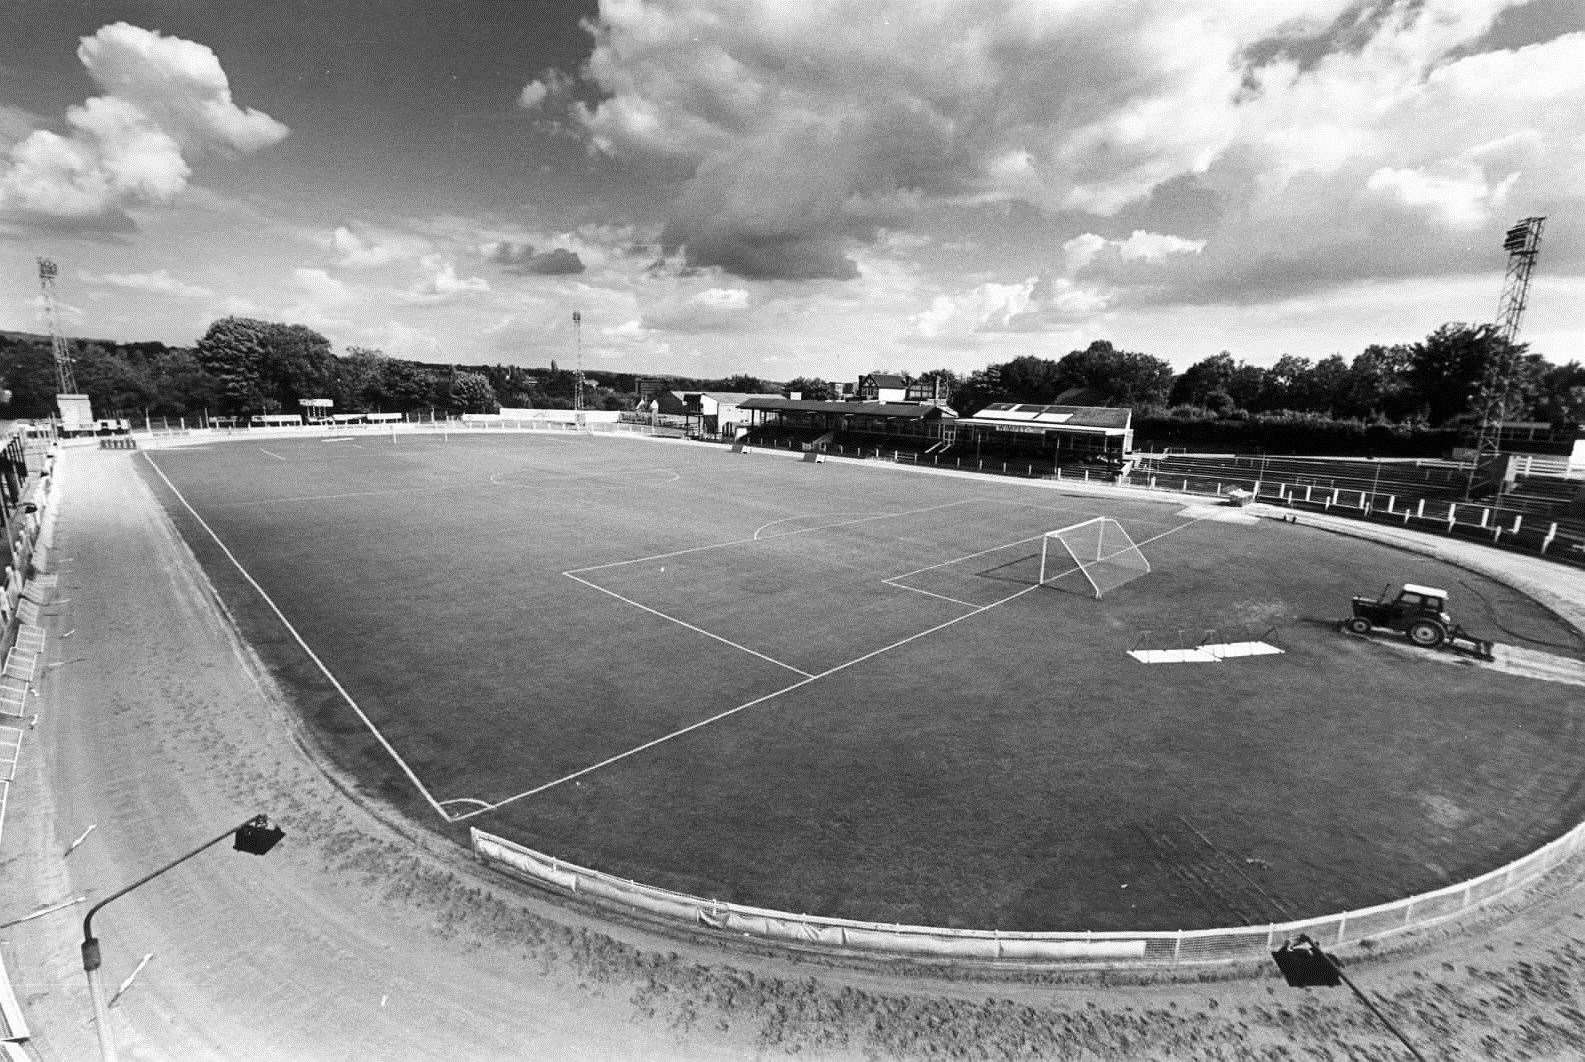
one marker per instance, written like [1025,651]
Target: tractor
[1419,612]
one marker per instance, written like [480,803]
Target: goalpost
[1097,548]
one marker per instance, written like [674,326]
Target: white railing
[1109,948]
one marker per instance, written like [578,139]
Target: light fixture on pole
[577,339]
[255,836]
[1305,965]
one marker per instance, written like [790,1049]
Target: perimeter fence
[1422,506]
[1113,948]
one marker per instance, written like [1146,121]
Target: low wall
[1113,948]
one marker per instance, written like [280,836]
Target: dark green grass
[1015,769]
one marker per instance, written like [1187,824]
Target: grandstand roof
[884,379]
[1030,417]
[725,398]
[903,410]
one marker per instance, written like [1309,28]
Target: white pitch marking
[690,626]
[928,593]
[268,600]
[776,693]
[789,519]
[272,453]
[967,556]
[331,497]
[743,541]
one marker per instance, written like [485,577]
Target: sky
[778,188]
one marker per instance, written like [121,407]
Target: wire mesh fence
[1110,948]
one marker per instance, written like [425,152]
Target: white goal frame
[1113,549]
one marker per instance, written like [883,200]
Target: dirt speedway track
[357,939]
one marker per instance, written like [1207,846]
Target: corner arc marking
[298,638]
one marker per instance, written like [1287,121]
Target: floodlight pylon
[1523,244]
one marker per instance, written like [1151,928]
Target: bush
[1293,433]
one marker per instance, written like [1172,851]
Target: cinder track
[360,939]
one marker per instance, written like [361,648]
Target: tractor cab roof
[1424,591]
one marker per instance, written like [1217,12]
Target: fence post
[1334,498]
[1550,535]
[1452,515]
[1485,514]
[1516,519]
[1004,467]
[1177,948]
[1185,486]
[1308,487]
[1419,511]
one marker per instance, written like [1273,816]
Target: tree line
[242,366]
[1432,383]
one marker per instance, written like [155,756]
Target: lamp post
[256,836]
[1305,965]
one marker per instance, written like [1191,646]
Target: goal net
[1099,550]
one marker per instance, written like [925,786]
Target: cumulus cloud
[714,309]
[16,123]
[323,288]
[804,129]
[443,283]
[159,282]
[367,249]
[1463,198]
[1140,246]
[402,340]
[165,101]
[522,258]
[794,135]
[552,89]
[1035,304]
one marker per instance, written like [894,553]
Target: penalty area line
[927,593]
[765,698]
[685,623]
[691,727]
[755,537]
[367,722]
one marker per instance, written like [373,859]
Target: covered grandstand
[1055,432]
[914,425]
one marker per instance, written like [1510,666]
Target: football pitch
[839,690]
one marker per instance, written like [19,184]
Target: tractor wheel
[1426,634]
[1357,625]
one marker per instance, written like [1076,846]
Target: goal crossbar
[1098,548]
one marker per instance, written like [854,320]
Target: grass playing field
[894,724]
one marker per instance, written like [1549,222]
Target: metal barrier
[1110,948]
[1506,528]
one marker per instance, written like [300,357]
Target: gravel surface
[359,938]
